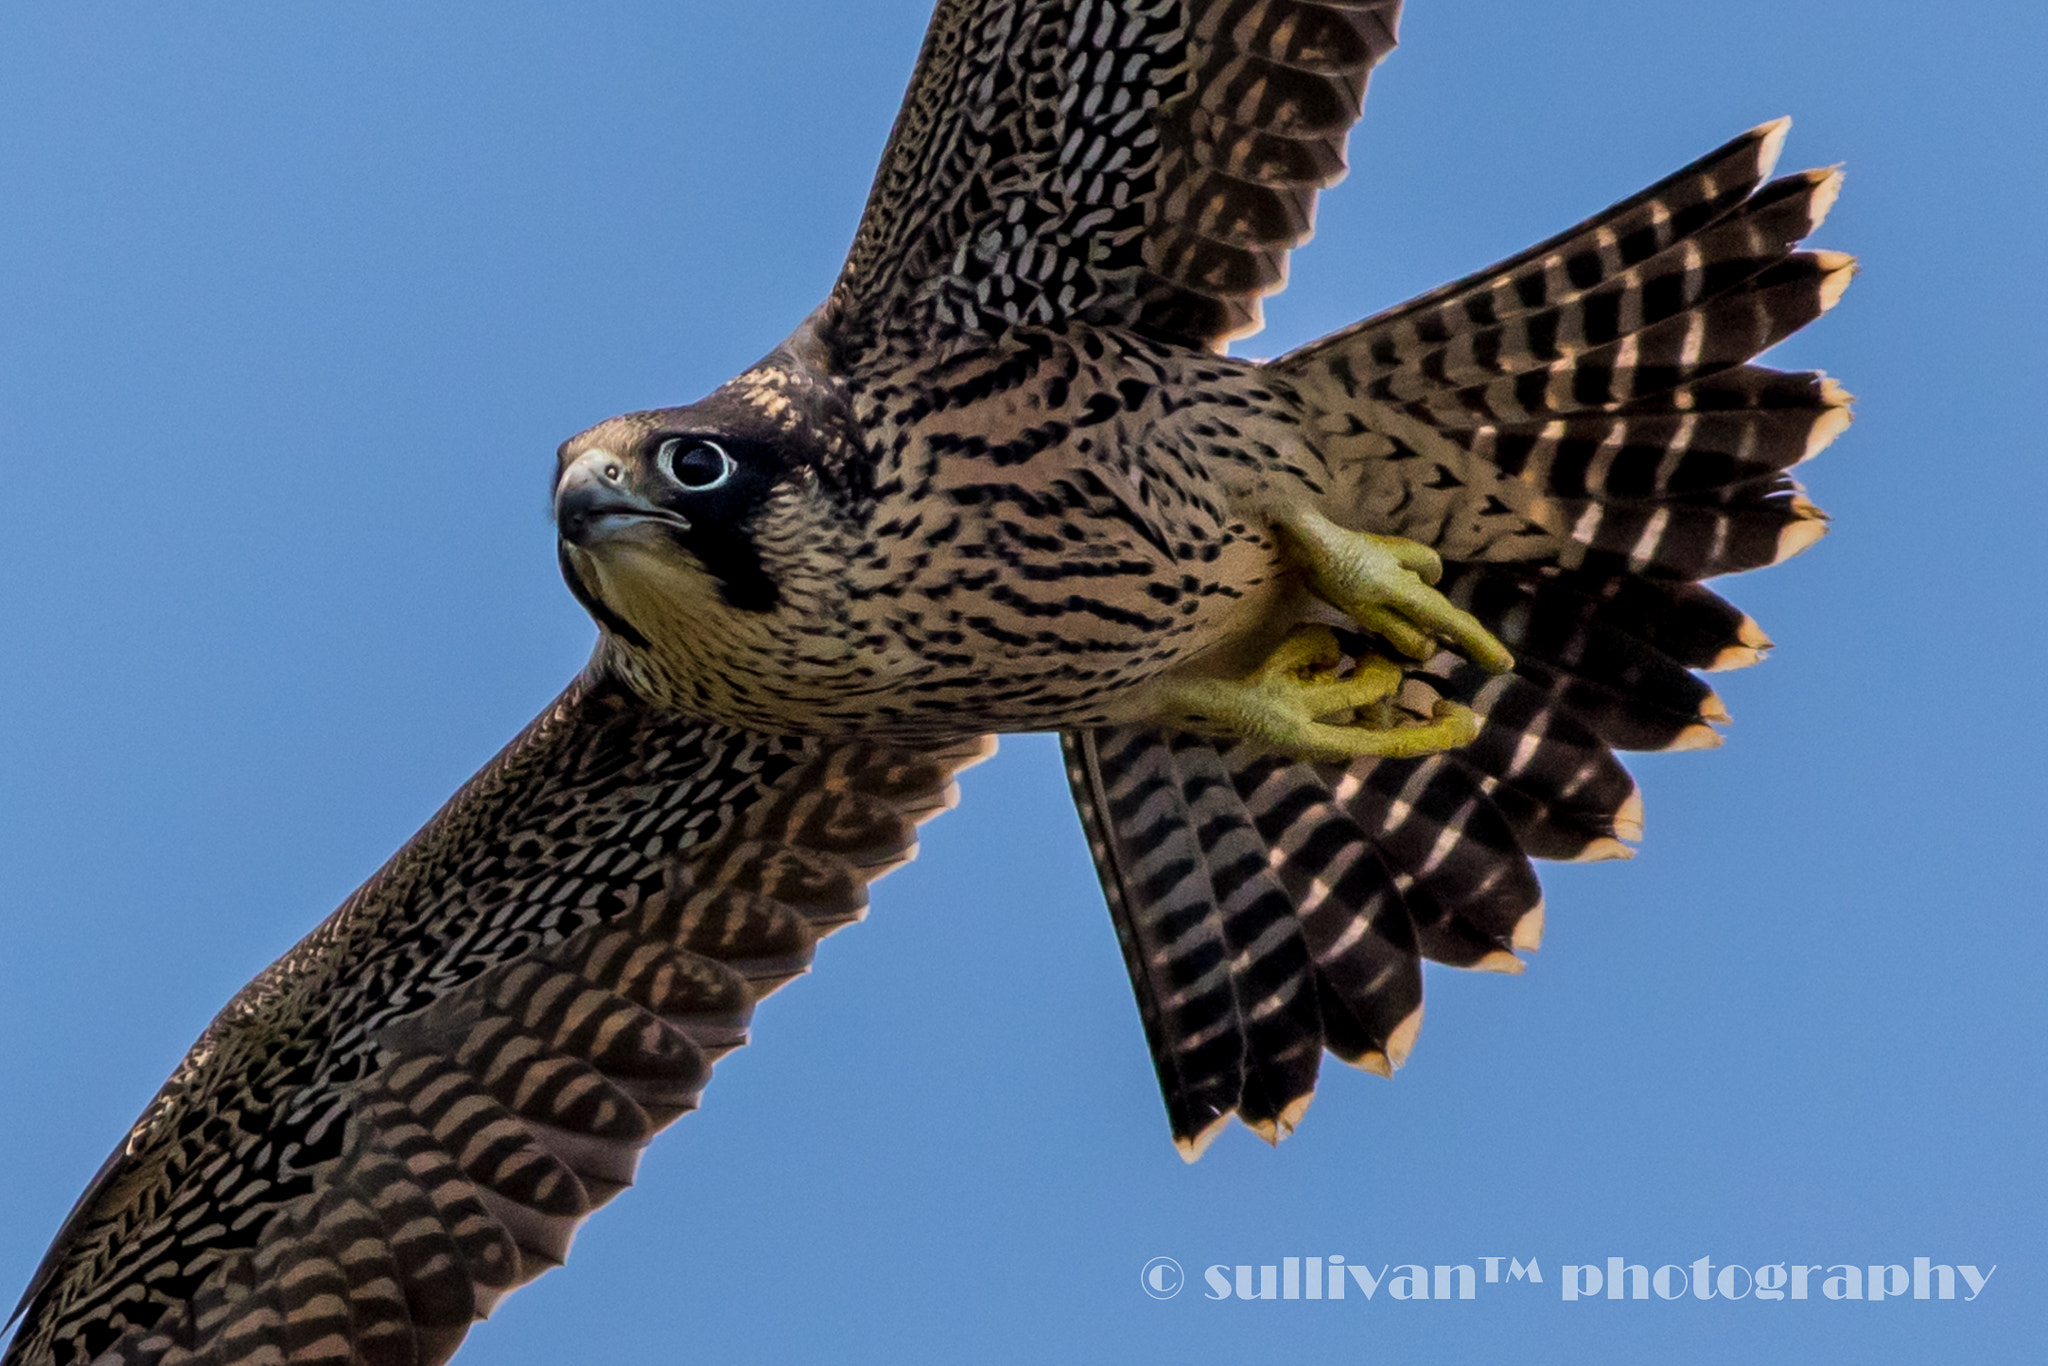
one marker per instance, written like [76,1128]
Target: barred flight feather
[436,1158]
[1144,164]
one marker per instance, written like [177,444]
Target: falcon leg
[1278,706]
[1384,584]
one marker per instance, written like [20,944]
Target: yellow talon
[1384,584]
[1279,704]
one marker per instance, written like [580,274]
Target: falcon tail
[1578,430]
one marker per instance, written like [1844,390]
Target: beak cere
[593,502]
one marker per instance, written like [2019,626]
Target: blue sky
[295,304]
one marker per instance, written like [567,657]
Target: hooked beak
[593,502]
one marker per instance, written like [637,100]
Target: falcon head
[674,518]
[665,502]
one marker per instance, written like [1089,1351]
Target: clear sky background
[295,303]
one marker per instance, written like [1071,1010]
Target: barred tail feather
[1592,403]
[1581,433]
[1215,952]
[1269,910]
[1368,967]
[1546,375]
[1581,258]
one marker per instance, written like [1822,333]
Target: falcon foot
[1384,584]
[1278,705]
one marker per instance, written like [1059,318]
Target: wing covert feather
[1129,163]
[411,1112]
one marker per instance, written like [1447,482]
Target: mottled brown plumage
[1004,479]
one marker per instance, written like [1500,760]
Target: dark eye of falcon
[697,465]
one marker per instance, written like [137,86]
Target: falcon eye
[697,465]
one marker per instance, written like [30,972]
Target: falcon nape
[1337,643]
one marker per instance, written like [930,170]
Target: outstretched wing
[1135,163]
[412,1111]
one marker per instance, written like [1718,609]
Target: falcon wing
[1132,163]
[411,1112]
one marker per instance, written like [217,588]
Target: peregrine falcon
[1336,644]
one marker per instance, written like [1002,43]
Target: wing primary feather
[468,1057]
